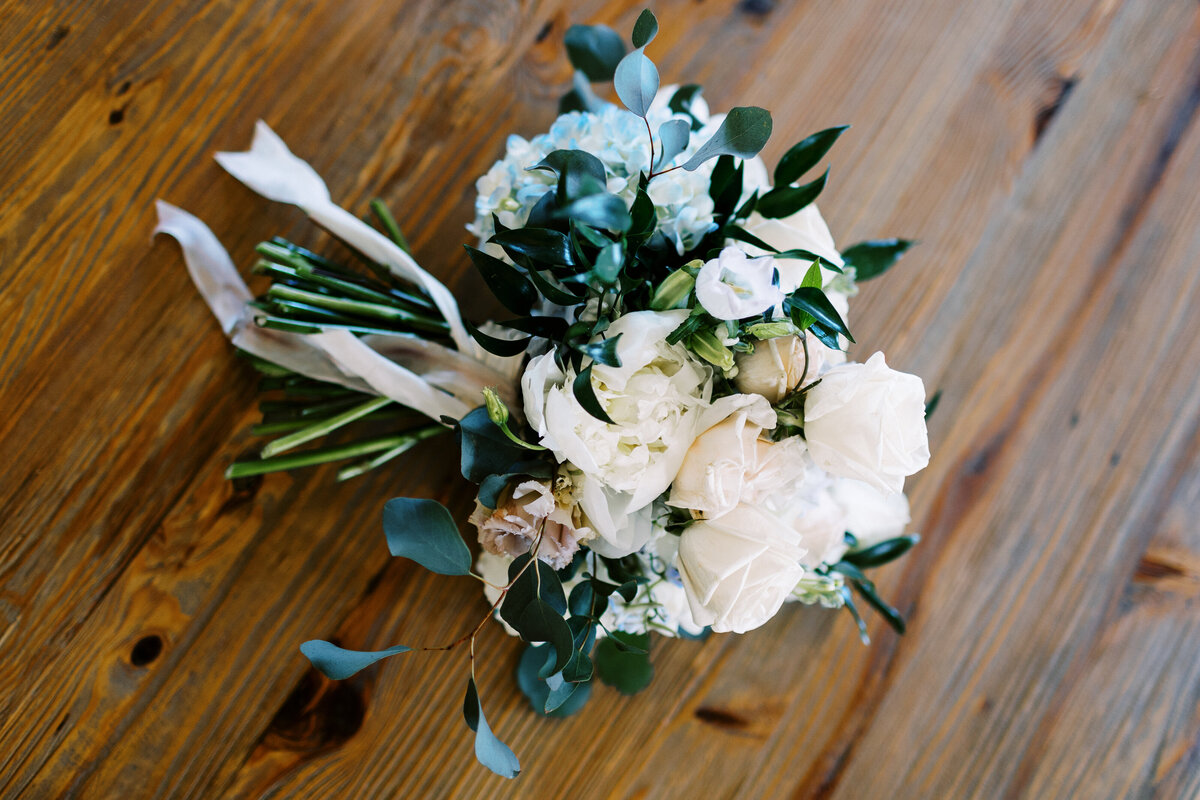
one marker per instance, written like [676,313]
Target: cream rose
[777,366]
[867,421]
[738,570]
[872,516]
[804,230]
[524,510]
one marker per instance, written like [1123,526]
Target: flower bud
[497,411]
[674,290]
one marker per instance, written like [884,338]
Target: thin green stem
[354,470]
[324,427]
[312,458]
[390,225]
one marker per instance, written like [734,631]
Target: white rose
[735,286]
[804,230]
[871,515]
[709,481]
[779,365]
[867,421]
[658,400]
[738,570]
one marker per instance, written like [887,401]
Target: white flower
[779,365]
[735,286]
[739,569]
[658,400]
[867,421]
[618,138]
[804,230]
[871,515]
[724,462]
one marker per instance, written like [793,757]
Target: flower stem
[311,458]
[324,427]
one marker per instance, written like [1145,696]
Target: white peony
[658,400]
[734,286]
[867,421]
[871,515]
[738,570]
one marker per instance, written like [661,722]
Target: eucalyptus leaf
[509,286]
[489,750]
[582,388]
[805,155]
[628,642]
[492,485]
[873,258]
[536,690]
[784,201]
[541,623]
[594,50]
[526,584]
[581,97]
[743,133]
[338,663]
[560,692]
[636,82]
[673,136]
[645,29]
[425,532]
[485,450]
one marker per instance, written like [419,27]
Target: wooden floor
[1045,152]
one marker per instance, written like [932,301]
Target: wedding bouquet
[667,435]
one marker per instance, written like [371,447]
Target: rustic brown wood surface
[1045,152]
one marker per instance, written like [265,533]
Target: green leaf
[490,751]
[552,290]
[636,82]
[805,155]
[604,351]
[629,642]
[645,29]
[586,395]
[547,327]
[627,672]
[495,345]
[579,173]
[423,531]
[539,622]
[594,50]
[726,186]
[485,450]
[890,615]
[783,201]
[539,244]
[879,554]
[536,690]
[537,582]
[643,215]
[510,287]
[681,103]
[814,302]
[873,258]
[673,136]
[812,278]
[932,405]
[743,133]
[338,663]
[581,97]
[560,691]
[601,210]
[608,264]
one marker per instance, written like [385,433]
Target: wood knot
[722,718]
[319,714]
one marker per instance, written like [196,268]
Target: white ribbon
[441,381]
[270,169]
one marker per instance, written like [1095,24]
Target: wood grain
[1045,153]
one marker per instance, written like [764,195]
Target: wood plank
[1045,153]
